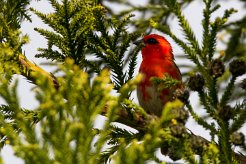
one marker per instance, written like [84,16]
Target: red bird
[158,61]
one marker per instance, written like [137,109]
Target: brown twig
[30,68]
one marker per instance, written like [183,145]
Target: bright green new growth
[91,47]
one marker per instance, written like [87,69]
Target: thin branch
[29,69]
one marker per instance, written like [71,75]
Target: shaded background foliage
[89,42]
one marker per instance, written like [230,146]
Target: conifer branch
[224,144]
[206,24]
[204,101]
[132,63]
[227,93]
[186,48]
[200,120]
[239,120]
[175,7]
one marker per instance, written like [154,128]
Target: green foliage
[111,50]
[79,42]
[165,82]
[93,44]
[69,33]
[12,14]
[65,126]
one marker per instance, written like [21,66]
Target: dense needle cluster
[196,82]
[237,67]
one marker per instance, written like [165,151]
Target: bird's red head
[156,46]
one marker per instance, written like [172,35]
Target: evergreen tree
[91,44]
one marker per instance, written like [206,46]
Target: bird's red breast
[157,61]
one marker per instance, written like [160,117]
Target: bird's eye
[151,41]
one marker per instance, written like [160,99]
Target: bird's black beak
[138,42]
